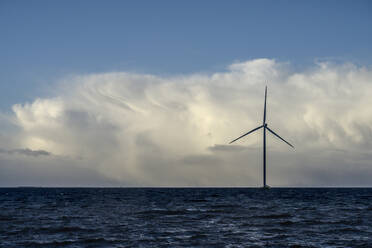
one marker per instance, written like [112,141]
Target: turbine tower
[264,126]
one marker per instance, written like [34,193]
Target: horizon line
[248,187]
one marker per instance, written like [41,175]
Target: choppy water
[185,217]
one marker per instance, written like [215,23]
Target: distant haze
[126,129]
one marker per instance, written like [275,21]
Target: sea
[185,217]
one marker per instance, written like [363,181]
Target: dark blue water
[185,217]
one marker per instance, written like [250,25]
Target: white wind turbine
[264,126]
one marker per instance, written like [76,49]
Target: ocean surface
[185,217]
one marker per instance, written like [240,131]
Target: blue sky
[43,41]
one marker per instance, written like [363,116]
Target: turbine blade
[279,137]
[264,117]
[246,134]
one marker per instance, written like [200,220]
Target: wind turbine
[264,126]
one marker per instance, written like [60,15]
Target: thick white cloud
[133,129]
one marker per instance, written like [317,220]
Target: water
[185,217]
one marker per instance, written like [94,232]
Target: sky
[149,93]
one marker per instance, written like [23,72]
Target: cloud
[27,152]
[137,129]
[227,148]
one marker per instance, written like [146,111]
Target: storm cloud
[27,152]
[148,130]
